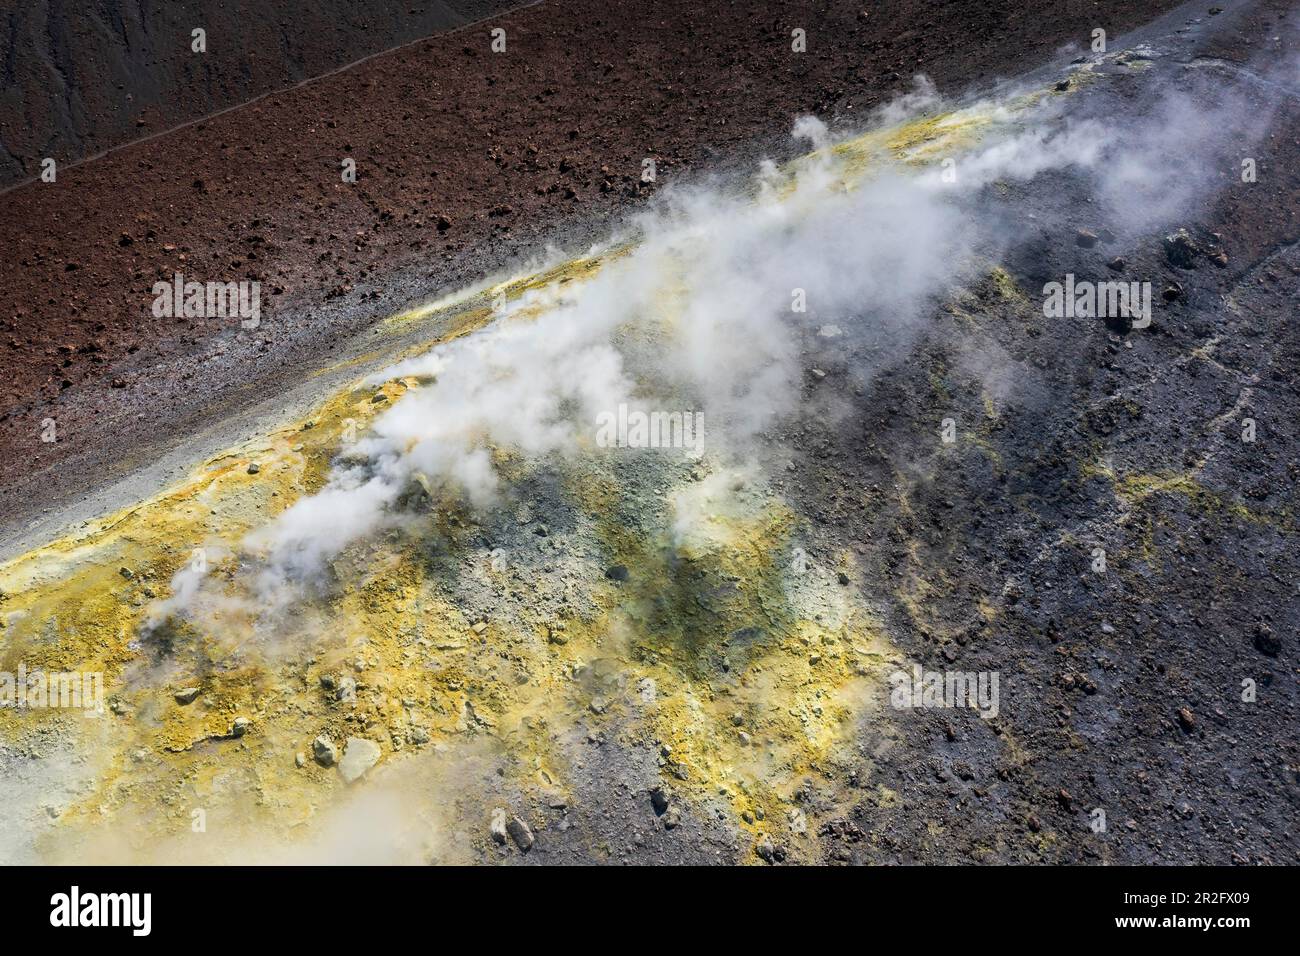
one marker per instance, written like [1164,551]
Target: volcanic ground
[364,585]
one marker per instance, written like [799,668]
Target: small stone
[598,705]
[617,572]
[240,726]
[1117,264]
[300,760]
[659,800]
[1266,642]
[126,573]
[254,468]
[1181,249]
[521,833]
[480,627]
[346,689]
[324,751]
[1085,238]
[359,755]
[768,851]
[1062,86]
[187,695]
[843,578]
[1186,719]
[498,825]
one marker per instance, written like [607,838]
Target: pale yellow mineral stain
[747,675]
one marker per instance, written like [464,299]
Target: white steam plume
[699,311]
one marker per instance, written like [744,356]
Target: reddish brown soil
[466,158]
[80,78]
